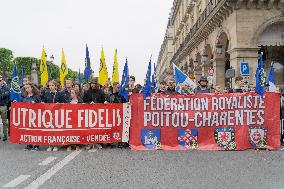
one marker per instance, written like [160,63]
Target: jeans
[3,114]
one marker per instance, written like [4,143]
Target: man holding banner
[94,94]
[4,99]
[203,86]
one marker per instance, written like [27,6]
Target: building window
[279,75]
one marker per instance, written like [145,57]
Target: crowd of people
[72,92]
[92,92]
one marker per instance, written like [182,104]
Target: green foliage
[53,70]
[6,60]
[6,57]
[26,63]
[72,74]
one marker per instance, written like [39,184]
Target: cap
[203,78]
[94,81]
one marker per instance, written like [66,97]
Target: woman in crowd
[114,97]
[78,87]
[53,95]
[218,89]
[31,95]
[107,91]
[85,87]
[74,99]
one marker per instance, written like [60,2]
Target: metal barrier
[282,130]
[1,128]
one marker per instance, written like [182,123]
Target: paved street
[122,168]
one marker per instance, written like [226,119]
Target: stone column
[197,73]
[34,74]
[249,55]
[219,71]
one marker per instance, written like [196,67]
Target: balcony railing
[203,16]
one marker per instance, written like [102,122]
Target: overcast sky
[135,27]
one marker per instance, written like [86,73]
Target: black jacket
[56,97]
[237,91]
[94,95]
[162,92]
[35,98]
[66,94]
[79,100]
[4,95]
[135,90]
[170,91]
[115,98]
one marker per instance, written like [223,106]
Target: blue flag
[184,85]
[79,77]
[154,78]
[123,91]
[146,91]
[88,70]
[271,79]
[15,90]
[23,76]
[259,78]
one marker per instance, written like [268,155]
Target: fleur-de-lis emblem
[101,65]
[43,67]
[63,68]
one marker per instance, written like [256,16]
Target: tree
[72,74]
[26,63]
[53,70]
[6,61]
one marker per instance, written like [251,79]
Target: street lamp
[204,57]
[219,47]
[52,58]
[50,74]
[195,63]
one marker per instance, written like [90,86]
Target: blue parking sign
[244,69]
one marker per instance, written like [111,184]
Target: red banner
[205,122]
[64,124]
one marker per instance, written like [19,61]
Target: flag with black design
[63,69]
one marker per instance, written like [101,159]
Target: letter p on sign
[244,68]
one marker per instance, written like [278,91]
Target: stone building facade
[209,37]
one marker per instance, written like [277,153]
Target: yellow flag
[103,74]
[63,69]
[115,74]
[43,68]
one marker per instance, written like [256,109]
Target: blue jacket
[35,98]
[4,95]
[57,97]
[199,90]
